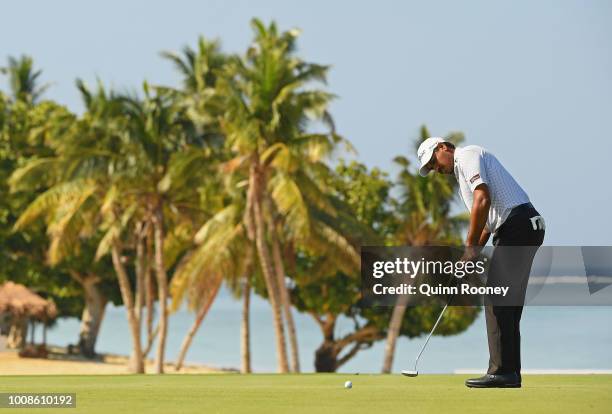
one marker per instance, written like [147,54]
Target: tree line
[155,199]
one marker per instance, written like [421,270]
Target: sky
[529,81]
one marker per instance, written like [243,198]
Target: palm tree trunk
[140,274]
[149,293]
[326,354]
[136,361]
[268,271]
[395,325]
[18,333]
[245,334]
[92,316]
[286,301]
[33,331]
[150,340]
[162,289]
[207,303]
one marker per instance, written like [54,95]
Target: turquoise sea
[553,338]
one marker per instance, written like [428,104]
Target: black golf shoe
[495,381]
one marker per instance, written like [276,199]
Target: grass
[307,393]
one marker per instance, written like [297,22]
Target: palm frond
[290,203]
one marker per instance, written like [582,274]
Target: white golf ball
[348,384]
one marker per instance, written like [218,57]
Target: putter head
[410,373]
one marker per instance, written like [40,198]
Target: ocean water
[552,338]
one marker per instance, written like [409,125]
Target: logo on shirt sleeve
[474,178]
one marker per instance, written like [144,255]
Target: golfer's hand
[470,254]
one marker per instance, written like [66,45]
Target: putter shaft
[429,336]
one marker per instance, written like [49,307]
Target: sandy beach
[60,363]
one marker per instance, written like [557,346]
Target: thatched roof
[18,300]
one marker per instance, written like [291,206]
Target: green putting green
[307,393]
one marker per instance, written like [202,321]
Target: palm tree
[86,155]
[23,79]
[114,167]
[96,152]
[269,107]
[161,140]
[425,211]
[223,252]
[219,243]
[199,68]
[194,277]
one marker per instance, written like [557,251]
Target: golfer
[499,206]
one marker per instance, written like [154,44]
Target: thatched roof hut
[20,301]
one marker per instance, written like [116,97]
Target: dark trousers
[510,266]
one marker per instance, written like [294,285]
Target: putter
[415,372]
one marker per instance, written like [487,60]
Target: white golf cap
[425,152]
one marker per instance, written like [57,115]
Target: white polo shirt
[475,166]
